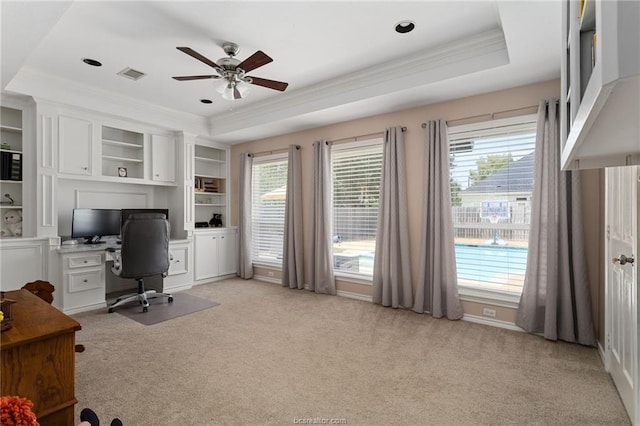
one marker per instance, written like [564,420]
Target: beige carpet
[270,355]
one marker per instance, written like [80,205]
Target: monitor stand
[94,240]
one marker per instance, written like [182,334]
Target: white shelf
[10,207]
[128,160]
[10,181]
[10,129]
[10,150]
[121,144]
[211,160]
[210,176]
[209,205]
[209,193]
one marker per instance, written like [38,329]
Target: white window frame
[265,159]
[487,128]
[358,278]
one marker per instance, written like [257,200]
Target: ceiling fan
[231,72]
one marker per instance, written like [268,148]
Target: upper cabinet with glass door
[600,79]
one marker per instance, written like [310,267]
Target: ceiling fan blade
[254,61]
[270,84]
[195,77]
[199,57]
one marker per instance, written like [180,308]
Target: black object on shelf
[202,225]
[10,165]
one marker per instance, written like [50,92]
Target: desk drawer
[178,263]
[85,260]
[85,280]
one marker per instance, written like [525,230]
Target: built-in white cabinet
[83,281]
[122,154]
[180,275]
[163,158]
[215,253]
[11,169]
[600,83]
[75,139]
[22,261]
[210,184]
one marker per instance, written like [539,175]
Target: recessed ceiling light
[91,62]
[206,101]
[404,27]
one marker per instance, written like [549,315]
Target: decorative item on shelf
[7,203]
[122,171]
[207,184]
[216,220]
[11,166]
[6,319]
[202,225]
[5,145]
[12,224]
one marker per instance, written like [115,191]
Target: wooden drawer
[85,260]
[85,280]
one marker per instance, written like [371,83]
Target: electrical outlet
[270,273]
[489,312]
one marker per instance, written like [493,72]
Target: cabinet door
[75,141]
[206,256]
[227,253]
[163,158]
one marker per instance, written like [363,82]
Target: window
[491,178]
[269,193]
[355,172]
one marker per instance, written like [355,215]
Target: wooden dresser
[38,358]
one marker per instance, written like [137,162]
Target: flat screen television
[93,224]
[128,212]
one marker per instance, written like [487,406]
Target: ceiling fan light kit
[231,72]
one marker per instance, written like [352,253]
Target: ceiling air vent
[132,74]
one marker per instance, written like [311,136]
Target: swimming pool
[485,263]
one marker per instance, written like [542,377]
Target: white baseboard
[267,279]
[603,357]
[177,288]
[85,308]
[492,322]
[352,295]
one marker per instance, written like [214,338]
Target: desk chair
[144,253]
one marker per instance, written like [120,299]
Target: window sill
[354,278]
[492,297]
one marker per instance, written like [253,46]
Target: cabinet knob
[157,175]
[85,168]
[178,261]
[213,238]
[84,281]
[222,237]
[85,261]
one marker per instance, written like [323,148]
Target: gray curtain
[292,258]
[391,269]
[555,300]
[245,267]
[322,279]
[437,290]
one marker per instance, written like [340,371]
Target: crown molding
[66,92]
[460,57]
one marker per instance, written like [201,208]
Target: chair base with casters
[141,297]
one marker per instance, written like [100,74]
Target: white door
[623,196]
[206,256]
[75,137]
[227,253]
[163,158]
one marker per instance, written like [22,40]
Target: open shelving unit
[122,148]
[210,183]
[11,185]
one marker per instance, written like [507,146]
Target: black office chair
[144,253]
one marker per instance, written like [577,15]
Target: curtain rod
[490,116]
[275,151]
[356,138]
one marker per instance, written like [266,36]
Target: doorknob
[622,259]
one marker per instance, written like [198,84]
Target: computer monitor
[128,212]
[92,224]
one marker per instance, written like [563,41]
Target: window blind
[491,180]
[268,192]
[356,170]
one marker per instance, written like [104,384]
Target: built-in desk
[38,358]
[83,272]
